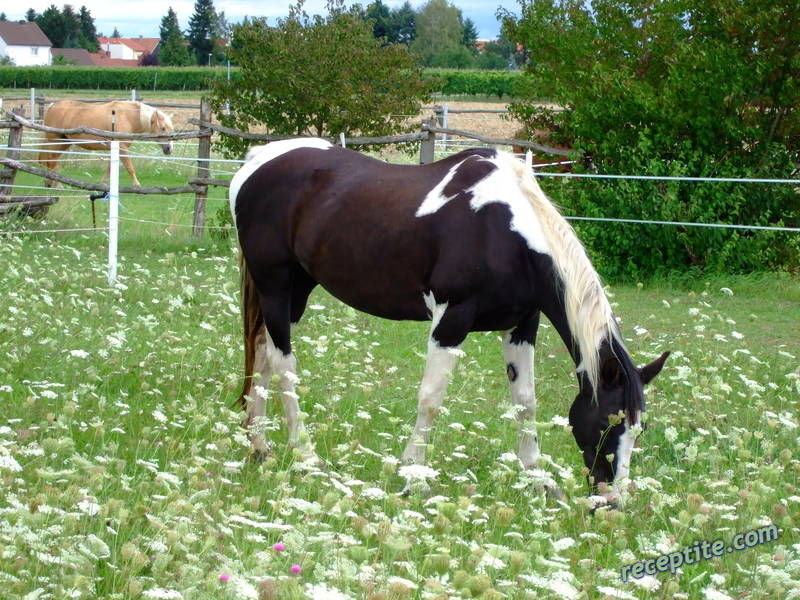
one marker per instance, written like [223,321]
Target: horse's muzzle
[167,148]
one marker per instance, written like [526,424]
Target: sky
[143,17]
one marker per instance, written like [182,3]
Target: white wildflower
[323,592]
[159,416]
[671,434]
[373,493]
[88,507]
[563,544]
[78,353]
[418,472]
[614,592]
[9,463]
[163,594]
[710,593]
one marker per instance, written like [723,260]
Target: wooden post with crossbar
[203,156]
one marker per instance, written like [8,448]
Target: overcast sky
[143,17]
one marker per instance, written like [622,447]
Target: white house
[24,43]
[116,48]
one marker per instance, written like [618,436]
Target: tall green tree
[320,75]
[403,27]
[88,34]
[30,15]
[469,36]
[116,33]
[674,87]
[201,31]
[440,36]
[172,50]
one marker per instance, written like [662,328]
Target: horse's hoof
[258,456]
[553,492]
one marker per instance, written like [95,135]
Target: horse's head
[605,423]
[161,123]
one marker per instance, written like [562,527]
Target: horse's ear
[648,372]
[610,370]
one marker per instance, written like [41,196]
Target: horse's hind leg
[49,159]
[275,300]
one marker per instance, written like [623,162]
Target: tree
[88,33]
[3,16]
[116,33]
[201,31]
[403,28]
[469,36]
[323,75]
[381,17]
[30,15]
[675,87]
[440,35]
[67,29]
[172,50]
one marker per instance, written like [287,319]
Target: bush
[474,83]
[111,78]
[685,90]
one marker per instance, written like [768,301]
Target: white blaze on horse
[128,117]
[470,243]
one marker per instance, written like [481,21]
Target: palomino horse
[470,243]
[129,117]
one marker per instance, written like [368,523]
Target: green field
[125,473]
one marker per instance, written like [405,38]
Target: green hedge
[110,78]
[452,83]
[474,83]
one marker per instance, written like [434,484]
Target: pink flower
[224,577]
[279,547]
[295,569]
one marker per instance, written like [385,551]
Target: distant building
[128,48]
[24,43]
[74,56]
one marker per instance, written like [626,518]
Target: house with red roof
[127,48]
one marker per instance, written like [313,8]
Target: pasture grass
[126,474]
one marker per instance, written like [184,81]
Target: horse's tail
[252,320]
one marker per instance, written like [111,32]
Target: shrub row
[109,78]
[486,83]
[476,83]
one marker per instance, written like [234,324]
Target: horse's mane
[588,311]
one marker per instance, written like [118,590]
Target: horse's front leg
[126,160]
[449,328]
[518,353]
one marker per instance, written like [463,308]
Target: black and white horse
[470,243]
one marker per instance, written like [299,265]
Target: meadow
[126,473]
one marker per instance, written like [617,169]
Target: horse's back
[376,235]
[69,114]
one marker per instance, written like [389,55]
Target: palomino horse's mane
[588,311]
[146,113]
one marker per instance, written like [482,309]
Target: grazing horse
[470,243]
[129,117]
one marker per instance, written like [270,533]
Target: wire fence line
[428,135]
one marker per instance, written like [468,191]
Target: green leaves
[676,87]
[322,76]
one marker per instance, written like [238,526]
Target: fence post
[7,175]
[40,104]
[33,104]
[203,155]
[113,213]
[428,146]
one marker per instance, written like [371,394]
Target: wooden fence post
[40,105]
[8,174]
[428,146]
[203,155]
